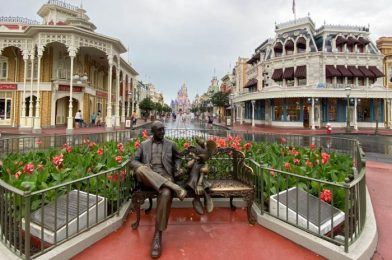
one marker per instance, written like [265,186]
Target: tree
[220,99]
[146,105]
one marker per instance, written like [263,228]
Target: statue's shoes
[198,206]
[208,203]
[156,248]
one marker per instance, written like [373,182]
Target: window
[332,105]
[390,73]
[3,67]
[278,109]
[293,109]
[5,106]
[35,73]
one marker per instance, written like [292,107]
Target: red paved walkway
[379,182]
[223,234]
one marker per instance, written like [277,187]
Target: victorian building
[50,70]
[308,77]
[384,44]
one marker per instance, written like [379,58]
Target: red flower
[69,149]
[312,146]
[113,177]
[287,166]
[283,140]
[220,142]
[18,174]
[296,161]
[58,160]
[186,145]
[100,151]
[273,173]
[38,142]
[28,168]
[120,147]
[247,146]
[230,138]
[118,159]
[136,144]
[326,195]
[325,158]
[145,134]
[309,163]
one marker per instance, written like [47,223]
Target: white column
[108,120]
[30,118]
[355,114]
[312,115]
[128,98]
[69,129]
[37,118]
[133,89]
[253,112]
[23,122]
[123,101]
[241,113]
[117,123]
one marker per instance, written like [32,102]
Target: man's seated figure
[156,163]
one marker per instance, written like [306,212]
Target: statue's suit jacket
[171,159]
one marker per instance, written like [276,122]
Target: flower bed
[41,170]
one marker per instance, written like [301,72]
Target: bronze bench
[230,178]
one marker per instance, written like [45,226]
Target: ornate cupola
[57,12]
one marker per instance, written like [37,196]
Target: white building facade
[308,77]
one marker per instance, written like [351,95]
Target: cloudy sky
[177,41]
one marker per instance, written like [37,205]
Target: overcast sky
[176,41]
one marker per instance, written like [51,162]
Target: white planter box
[49,229]
[290,215]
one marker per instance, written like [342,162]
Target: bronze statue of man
[156,163]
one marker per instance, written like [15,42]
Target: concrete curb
[88,238]
[363,248]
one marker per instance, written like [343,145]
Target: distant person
[133,118]
[93,118]
[78,118]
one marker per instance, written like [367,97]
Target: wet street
[377,147]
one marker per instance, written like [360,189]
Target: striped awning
[277,75]
[351,41]
[331,71]
[376,71]
[250,83]
[288,73]
[344,71]
[365,71]
[300,72]
[255,58]
[356,72]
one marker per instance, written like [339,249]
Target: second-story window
[301,45]
[278,49]
[289,47]
[3,67]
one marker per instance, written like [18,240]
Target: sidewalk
[62,130]
[246,127]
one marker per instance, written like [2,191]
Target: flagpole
[295,15]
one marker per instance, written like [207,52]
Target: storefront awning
[300,72]
[340,40]
[288,73]
[277,75]
[376,71]
[356,72]
[366,72]
[250,83]
[344,71]
[331,71]
[351,41]
[363,41]
[255,58]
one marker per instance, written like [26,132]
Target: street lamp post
[348,92]
[232,109]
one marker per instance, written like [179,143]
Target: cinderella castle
[182,100]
